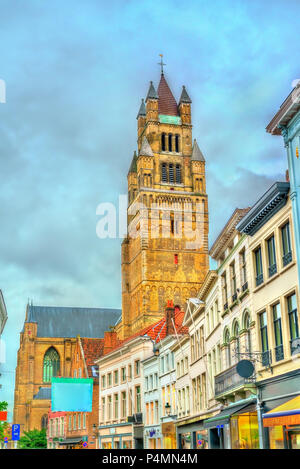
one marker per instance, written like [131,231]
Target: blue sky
[75,72]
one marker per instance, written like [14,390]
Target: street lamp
[168,409]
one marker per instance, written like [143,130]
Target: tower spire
[161,63]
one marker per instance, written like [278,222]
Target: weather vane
[161,64]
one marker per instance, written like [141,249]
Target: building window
[170,141]
[70,422]
[264,338]
[79,373]
[109,379]
[74,422]
[279,354]
[123,371]
[51,365]
[286,244]
[177,143]
[164,176]
[116,377]
[44,422]
[79,421]
[103,381]
[109,408]
[103,409]
[224,290]
[129,371]
[247,322]
[178,174]
[271,256]
[233,282]
[116,406]
[237,340]
[123,404]
[137,367]
[243,270]
[171,173]
[138,399]
[163,142]
[293,323]
[227,350]
[84,421]
[258,266]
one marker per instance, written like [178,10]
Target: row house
[131,407]
[75,430]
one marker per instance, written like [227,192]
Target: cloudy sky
[75,72]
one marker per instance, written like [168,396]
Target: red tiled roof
[92,349]
[166,102]
[156,331]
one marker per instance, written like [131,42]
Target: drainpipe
[259,418]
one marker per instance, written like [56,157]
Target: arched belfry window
[171,173]
[178,174]
[170,139]
[164,172]
[163,142]
[177,143]
[51,365]
[44,421]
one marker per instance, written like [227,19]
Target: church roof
[56,321]
[146,150]
[151,92]
[184,98]
[142,110]
[196,153]
[92,349]
[133,166]
[43,393]
[166,102]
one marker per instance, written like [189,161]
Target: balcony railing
[295,346]
[245,286]
[230,379]
[259,279]
[279,353]
[234,297]
[225,306]
[287,258]
[266,358]
[272,270]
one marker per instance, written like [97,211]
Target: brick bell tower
[165,253]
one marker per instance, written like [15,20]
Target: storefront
[153,437]
[71,443]
[119,436]
[192,436]
[168,431]
[281,410]
[283,423]
[235,427]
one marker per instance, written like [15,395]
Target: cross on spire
[161,64]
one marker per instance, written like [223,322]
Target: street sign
[3,416]
[15,432]
[6,440]
[84,444]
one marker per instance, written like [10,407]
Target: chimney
[170,314]
[110,341]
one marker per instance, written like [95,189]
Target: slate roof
[156,331]
[151,92]
[196,153]
[146,150]
[166,102]
[92,349]
[133,166]
[184,98]
[43,393]
[142,110]
[55,321]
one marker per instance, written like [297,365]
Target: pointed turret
[142,110]
[166,102]
[184,98]
[151,92]
[145,148]
[196,153]
[133,166]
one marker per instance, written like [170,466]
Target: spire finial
[161,63]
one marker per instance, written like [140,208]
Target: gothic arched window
[51,364]
[171,173]
[177,143]
[44,421]
[247,322]
[178,174]
[163,142]
[170,140]
[164,172]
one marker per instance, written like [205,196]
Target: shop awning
[224,416]
[70,441]
[285,414]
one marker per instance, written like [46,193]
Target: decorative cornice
[272,201]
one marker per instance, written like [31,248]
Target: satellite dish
[245,368]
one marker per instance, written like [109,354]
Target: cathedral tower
[165,253]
